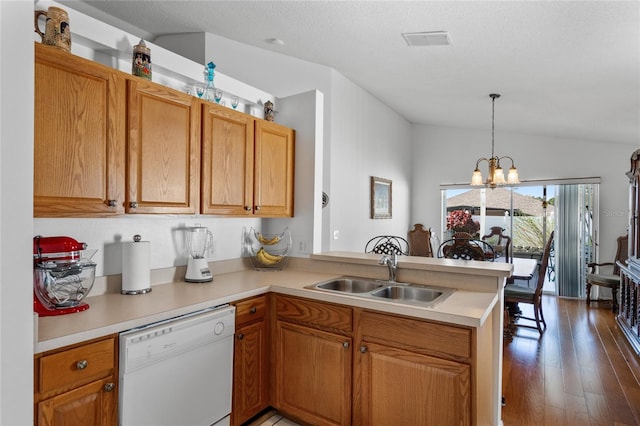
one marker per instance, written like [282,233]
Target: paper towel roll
[136,275]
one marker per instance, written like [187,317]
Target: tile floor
[278,420]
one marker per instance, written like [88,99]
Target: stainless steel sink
[350,285]
[402,293]
[408,293]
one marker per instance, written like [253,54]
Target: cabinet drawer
[321,315]
[418,336]
[250,310]
[76,366]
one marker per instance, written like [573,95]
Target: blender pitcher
[199,240]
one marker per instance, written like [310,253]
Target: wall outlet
[336,234]
[303,247]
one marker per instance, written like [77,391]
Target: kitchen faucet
[392,265]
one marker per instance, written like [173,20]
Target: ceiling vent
[428,38]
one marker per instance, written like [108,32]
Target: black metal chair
[466,249]
[387,244]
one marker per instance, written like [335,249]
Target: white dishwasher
[178,371]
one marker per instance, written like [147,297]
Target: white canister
[136,273]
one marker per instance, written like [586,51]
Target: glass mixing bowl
[63,284]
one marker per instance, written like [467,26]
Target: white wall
[16,206]
[304,113]
[367,139]
[445,155]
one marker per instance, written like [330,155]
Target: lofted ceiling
[564,68]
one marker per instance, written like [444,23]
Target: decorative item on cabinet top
[269,112]
[141,65]
[56,31]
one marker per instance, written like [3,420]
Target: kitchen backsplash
[164,234]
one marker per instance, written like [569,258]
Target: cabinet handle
[240,336]
[108,387]
[363,349]
[133,204]
[81,365]
[252,310]
[247,208]
[112,203]
[345,344]
[257,207]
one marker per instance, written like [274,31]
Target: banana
[272,257]
[260,257]
[266,258]
[268,241]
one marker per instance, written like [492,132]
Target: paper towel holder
[136,275]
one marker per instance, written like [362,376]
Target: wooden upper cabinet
[108,143]
[247,165]
[163,149]
[273,169]
[227,161]
[79,133]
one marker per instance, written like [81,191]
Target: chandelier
[496,174]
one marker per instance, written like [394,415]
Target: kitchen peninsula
[457,343]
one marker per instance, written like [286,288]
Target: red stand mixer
[61,276]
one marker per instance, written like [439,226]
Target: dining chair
[387,244]
[612,280]
[462,247]
[420,241]
[501,243]
[532,295]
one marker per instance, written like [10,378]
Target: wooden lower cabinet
[400,387]
[87,405]
[77,385]
[313,359]
[250,360]
[410,371]
[313,370]
[336,365]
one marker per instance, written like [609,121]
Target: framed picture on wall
[380,198]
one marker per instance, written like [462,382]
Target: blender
[199,240]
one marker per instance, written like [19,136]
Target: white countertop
[112,312]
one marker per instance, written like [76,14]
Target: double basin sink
[403,293]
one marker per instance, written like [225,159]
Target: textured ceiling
[563,68]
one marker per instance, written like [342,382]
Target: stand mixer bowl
[62,278]
[59,285]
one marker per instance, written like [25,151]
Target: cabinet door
[91,404]
[250,372]
[313,374]
[227,161]
[79,135]
[274,166]
[404,388]
[163,150]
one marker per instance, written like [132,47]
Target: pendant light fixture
[496,174]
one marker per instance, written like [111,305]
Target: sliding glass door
[528,214]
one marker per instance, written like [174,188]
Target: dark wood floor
[580,372]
